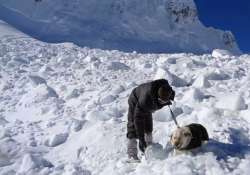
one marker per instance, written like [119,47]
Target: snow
[164,114]
[173,79]
[201,82]
[222,54]
[57,139]
[63,110]
[31,162]
[237,102]
[7,30]
[136,25]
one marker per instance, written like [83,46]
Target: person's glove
[142,145]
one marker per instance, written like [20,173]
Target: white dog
[189,137]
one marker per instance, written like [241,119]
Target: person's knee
[149,138]
[131,135]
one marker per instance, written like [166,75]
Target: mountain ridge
[136,25]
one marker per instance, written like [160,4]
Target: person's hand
[172,95]
[142,145]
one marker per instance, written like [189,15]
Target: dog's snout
[176,142]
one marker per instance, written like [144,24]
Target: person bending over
[143,101]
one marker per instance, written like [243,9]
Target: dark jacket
[143,101]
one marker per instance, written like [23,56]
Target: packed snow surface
[63,110]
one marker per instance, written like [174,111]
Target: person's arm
[139,122]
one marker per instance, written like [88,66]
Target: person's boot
[132,150]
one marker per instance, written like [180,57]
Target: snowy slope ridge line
[155,26]
[63,109]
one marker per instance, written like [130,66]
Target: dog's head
[181,137]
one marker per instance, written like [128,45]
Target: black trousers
[147,124]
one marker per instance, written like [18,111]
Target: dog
[189,137]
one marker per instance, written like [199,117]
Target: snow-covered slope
[8,30]
[63,110]
[127,25]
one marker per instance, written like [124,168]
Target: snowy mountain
[63,109]
[129,25]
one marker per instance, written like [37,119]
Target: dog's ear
[186,134]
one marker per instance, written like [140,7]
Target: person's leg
[149,138]
[131,135]
[148,129]
[132,149]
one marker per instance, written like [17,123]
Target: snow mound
[57,139]
[224,54]
[172,79]
[77,125]
[98,116]
[74,93]
[155,151]
[74,169]
[107,99]
[7,30]
[36,80]
[201,82]
[117,90]
[231,102]
[38,94]
[4,160]
[164,115]
[193,95]
[31,162]
[217,74]
[115,66]
[245,114]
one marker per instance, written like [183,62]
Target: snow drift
[63,110]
